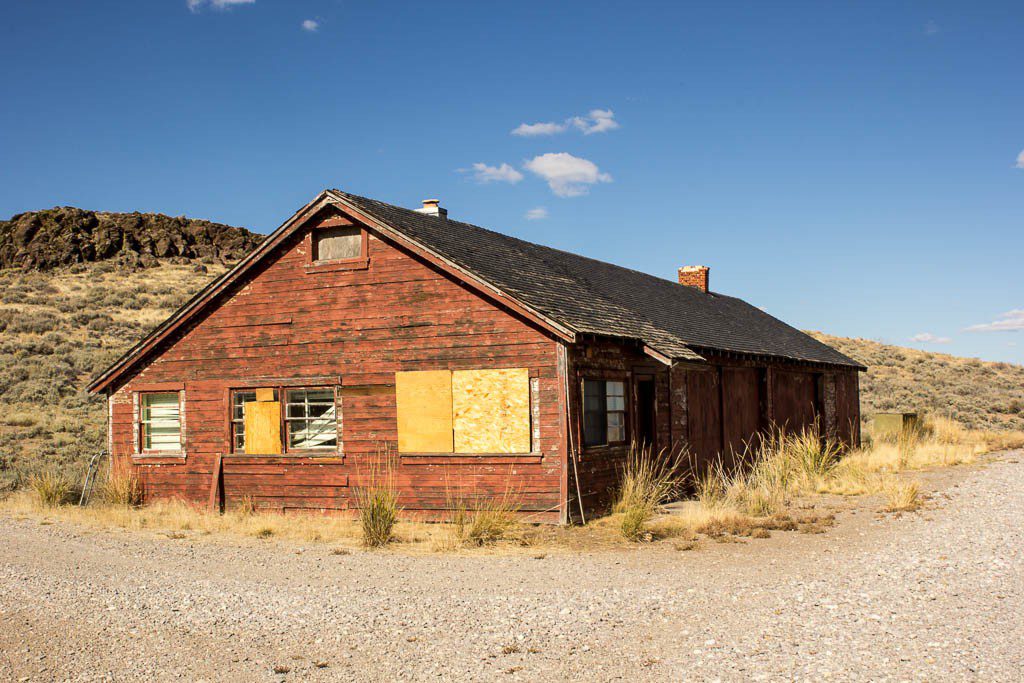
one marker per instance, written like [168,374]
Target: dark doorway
[646,425]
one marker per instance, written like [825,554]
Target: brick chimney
[432,207]
[694,276]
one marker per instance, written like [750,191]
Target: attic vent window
[338,244]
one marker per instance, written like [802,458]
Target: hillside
[979,394]
[88,285]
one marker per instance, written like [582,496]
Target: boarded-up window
[466,411]
[308,417]
[334,244]
[424,402]
[491,411]
[263,427]
[160,422]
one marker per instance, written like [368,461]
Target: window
[338,244]
[308,421]
[238,401]
[160,422]
[464,411]
[604,412]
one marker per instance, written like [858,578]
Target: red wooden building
[482,363]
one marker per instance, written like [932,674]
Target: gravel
[934,595]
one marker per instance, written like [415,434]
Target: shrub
[51,488]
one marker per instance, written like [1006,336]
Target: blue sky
[849,167]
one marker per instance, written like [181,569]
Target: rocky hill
[62,236]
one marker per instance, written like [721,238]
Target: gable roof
[567,293]
[591,296]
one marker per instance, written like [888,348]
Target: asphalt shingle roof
[591,296]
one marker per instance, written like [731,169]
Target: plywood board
[491,410]
[262,428]
[424,402]
[264,394]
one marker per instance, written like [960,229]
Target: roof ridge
[513,237]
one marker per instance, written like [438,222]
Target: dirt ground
[932,595]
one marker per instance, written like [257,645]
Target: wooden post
[216,485]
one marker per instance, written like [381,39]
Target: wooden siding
[704,403]
[743,409]
[795,399]
[713,410]
[293,324]
[598,467]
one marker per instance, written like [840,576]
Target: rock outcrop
[65,235]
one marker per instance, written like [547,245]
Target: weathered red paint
[351,326]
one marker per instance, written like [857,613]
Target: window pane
[616,434]
[616,403]
[338,243]
[594,413]
[311,418]
[320,396]
[161,422]
[616,388]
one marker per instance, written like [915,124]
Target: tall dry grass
[647,480]
[377,500]
[50,488]
[121,487]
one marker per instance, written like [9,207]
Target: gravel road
[934,595]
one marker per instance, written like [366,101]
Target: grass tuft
[647,480]
[903,496]
[378,501]
[122,487]
[50,488]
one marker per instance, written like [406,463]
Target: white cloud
[538,214]
[310,25]
[929,338]
[527,130]
[1011,321]
[566,175]
[496,174]
[196,5]
[1020,159]
[597,121]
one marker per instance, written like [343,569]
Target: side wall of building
[711,410]
[350,329]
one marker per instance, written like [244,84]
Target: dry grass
[479,519]
[50,489]
[121,487]
[378,501]
[647,480]
[783,477]
[902,496]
